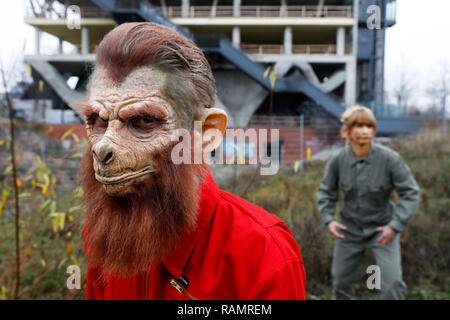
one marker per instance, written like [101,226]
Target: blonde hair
[356,115]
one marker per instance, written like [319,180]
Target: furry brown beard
[124,236]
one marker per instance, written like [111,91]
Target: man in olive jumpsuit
[367,215]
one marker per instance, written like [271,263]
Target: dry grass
[427,143]
[425,241]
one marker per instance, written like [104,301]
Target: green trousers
[347,257]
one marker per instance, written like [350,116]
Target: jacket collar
[367,158]
[177,259]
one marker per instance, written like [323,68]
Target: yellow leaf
[76,208]
[24,195]
[75,137]
[41,85]
[53,207]
[76,155]
[39,174]
[44,204]
[4,196]
[62,219]
[58,220]
[55,225]
[296,166]
[273,78]
[69,248]
[8,169]
[62,262]
[40,161]
[70,218]
[19,184]
[68,132]
[46,183]
[44,264]
[3,293]
[76,192]
[75,261]
[267,72]
[2,203]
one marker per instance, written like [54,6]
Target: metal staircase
[137,10]
[51,75]
[296,83]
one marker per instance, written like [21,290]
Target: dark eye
[99,123]
[144,122]
[147,119]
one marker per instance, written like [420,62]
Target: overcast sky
[417,45]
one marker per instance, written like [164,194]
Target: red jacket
[237,251]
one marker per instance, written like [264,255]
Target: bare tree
[403,85]
[439,90]
[9,105]
[44,8]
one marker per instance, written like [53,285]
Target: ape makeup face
[362,133]
[127,124]
[149,82]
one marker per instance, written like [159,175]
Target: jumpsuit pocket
[379,195]
[346,189]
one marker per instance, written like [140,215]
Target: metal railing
[250,48]
[314,49]
[278,121]
[259,11]
[262,48]
[388,110]
[289,121]
[59,11]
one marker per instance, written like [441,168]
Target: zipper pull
[180,289]
[174,284]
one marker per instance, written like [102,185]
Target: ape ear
[214,123]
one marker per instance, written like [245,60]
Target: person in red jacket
[156,228]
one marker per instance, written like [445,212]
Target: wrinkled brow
[147,108]
[86,109]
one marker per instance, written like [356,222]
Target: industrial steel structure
[327,54]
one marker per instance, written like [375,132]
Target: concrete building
[327,55]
